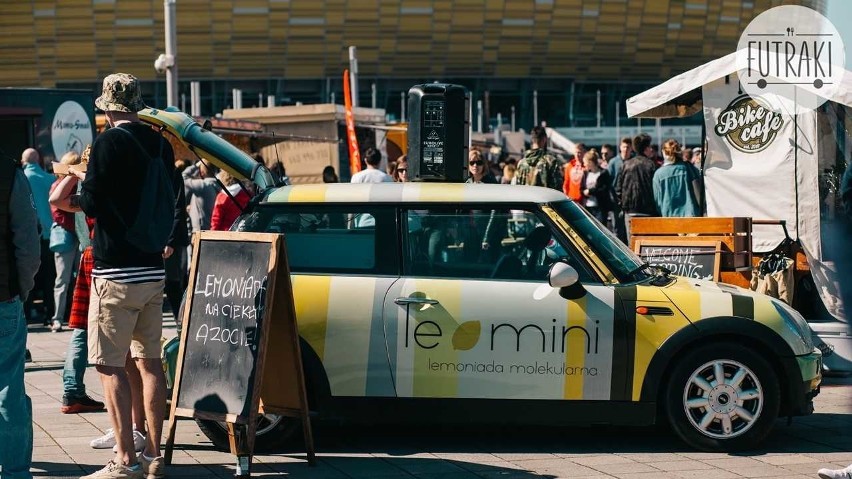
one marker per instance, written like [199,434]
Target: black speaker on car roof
[438,132]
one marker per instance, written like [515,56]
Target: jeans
[75,364]
[66,264]
[16,423]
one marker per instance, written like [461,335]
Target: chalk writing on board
[692,262]
[222,297]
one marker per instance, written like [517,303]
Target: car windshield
[625,264]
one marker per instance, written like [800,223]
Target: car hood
[699,300]
[209,146]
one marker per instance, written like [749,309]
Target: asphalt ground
[824,439]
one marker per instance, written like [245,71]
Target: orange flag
[352,139]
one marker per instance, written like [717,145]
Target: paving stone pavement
[824,439]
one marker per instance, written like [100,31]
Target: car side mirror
[563,276]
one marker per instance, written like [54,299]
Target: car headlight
[797,323]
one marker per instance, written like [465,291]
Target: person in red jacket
[574,171]
[225,211]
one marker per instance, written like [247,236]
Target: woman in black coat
[596,187]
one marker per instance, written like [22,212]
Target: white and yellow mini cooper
[510,304]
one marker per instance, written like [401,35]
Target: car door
[474,316]
[343,260]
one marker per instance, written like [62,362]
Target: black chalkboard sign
[239,301]
[225,321]
[697,259]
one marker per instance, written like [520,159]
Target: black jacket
[602,191]
[635,186]
[113,186]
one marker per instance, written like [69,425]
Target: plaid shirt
[80,304]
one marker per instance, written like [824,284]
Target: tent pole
[796,153]
[703,159]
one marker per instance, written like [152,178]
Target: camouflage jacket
[539,168]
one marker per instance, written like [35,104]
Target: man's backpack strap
[139,145]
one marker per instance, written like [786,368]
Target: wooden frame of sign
[238,387]
[705,247]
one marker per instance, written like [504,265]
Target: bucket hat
[121,92]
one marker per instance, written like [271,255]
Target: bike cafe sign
[748,125]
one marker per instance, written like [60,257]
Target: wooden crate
[734,233]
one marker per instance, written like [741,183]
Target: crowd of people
[638,181]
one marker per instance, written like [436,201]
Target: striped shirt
[143,274]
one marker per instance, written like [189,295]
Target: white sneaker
[845,473]
[108,441]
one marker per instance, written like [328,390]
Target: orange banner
[352,139]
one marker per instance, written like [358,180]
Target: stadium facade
[562,52]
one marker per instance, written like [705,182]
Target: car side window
[335,240]
[482,244]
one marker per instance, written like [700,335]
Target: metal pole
[402,106]
[353,74]
[513,118]
[333,100]
[479,116]
[571,105]
[195,98]
[260,100]
[270,101]
[373,92]
[498,137]
[183,102]
[618,123]
[598,111]
[171,51]
[535,107]
[658,131]
[486,108]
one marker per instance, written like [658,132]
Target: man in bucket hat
[125,309]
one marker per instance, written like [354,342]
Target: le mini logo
[748,125]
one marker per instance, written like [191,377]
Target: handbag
[61,240]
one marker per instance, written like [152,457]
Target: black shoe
[80,404]
[28,357]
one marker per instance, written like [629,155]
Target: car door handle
[406,301]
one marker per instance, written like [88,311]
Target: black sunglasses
[476,163]
[402,170]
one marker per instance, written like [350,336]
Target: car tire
[273,434]
[733,416]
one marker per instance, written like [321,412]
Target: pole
[260,100]
[498,138]
[513,118]
[373,93]
[195,98]
[270,101]
[598,111]
[402,116]
[353,75]
[333,100]
[658,131]
[183,102]
[617,123]
[571,105]
[479,116]
[171,51]
[535,107]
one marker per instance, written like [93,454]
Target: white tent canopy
[680,96]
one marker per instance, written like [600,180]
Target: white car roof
[413,193]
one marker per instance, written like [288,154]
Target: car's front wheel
[722,397]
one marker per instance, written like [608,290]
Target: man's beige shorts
[124,316]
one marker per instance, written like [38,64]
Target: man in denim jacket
[19,262]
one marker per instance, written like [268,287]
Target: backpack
[152,227]
[536,176]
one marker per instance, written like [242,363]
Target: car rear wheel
[274,432]
[722,397]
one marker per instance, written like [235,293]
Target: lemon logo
[466,335]
[748,125]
